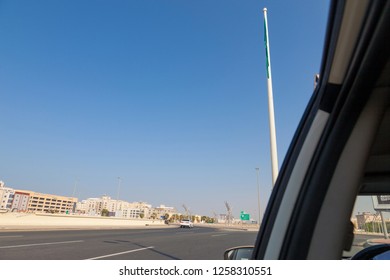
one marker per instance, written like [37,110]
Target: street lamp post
[258,193]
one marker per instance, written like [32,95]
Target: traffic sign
[244,216]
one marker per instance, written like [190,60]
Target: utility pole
[229,213]
[258,195]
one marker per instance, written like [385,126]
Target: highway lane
[171,243]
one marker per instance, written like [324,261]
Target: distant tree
[174,218]
[166,216]
[154,215]
[209,220]
[142,215]
[105,213]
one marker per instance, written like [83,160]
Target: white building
[129,213]
[162,210]
[117,208]
[6,196]
[90,206]
[134,210]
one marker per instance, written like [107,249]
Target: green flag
[266,48]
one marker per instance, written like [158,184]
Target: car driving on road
[186,224]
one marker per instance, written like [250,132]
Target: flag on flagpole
[274,152]
[266,47]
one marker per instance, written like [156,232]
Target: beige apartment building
[30,201]
[51,203]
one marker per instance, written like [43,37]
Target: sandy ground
[19,221]
[28,221]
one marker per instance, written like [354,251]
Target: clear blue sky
[171,96]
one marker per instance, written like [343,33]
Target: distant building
[117,208]
[108,204]
[363,218]
[30,201]
[162,210]
[89,206]
[142,208]
[123,209]
[20,201]
[129,213]
[6,196]
[50,203]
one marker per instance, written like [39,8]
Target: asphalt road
[171,243]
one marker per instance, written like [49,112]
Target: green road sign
[244,216]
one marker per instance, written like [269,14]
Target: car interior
[341,148]
[364,165]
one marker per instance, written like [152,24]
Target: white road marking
[120,253]
[10,236]
[215,235]
[41,244]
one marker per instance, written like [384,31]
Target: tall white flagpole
[274,152]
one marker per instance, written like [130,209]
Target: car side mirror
[239,253]
[380,252]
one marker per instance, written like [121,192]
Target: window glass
[371,222]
